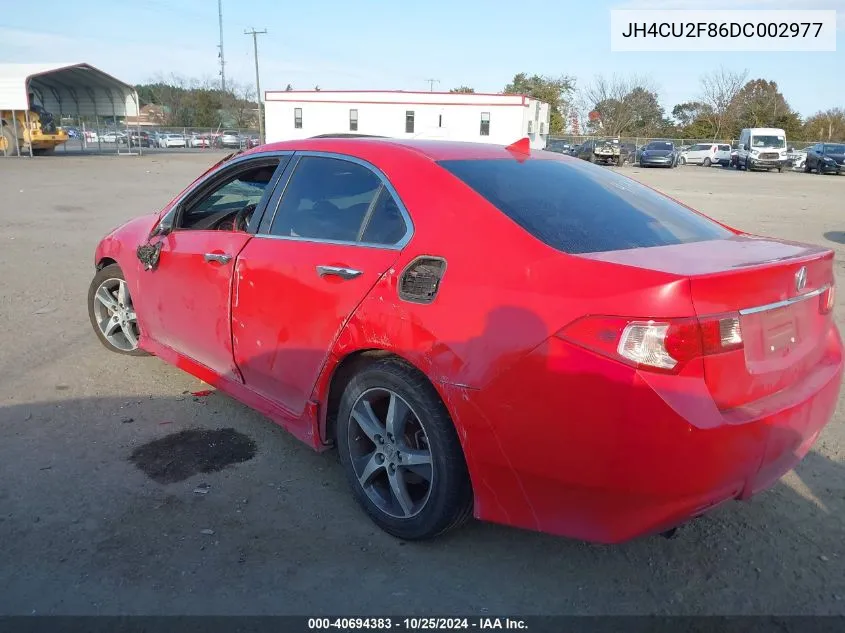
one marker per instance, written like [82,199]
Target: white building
[480,118]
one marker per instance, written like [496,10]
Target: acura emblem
[801,278]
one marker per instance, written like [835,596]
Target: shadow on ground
[836,236]
[276,531]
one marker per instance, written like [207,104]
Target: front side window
[834,148]
[218,208]
[338,200]
[297,118]
[576,208]
[353,120]
[409,122]
[485,124]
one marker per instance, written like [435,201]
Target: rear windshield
[576,207]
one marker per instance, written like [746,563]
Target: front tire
[401,454]
[112,312]
[707,162]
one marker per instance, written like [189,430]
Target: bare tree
[719,89]
[241,104]
[624,105]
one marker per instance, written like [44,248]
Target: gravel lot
[83,531]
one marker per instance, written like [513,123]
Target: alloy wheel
[115,314]
[390,453]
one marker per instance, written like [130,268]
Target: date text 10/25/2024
[415,624]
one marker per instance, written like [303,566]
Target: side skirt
[302,427]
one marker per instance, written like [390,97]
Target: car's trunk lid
[775,287]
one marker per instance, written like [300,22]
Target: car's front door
[185,302]
[339,226]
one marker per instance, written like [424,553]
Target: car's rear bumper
[573,444]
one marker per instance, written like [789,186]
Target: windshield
[576,208]
[660,145]
[768,141]
[835,148]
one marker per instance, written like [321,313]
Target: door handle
[220,258]
[338,271]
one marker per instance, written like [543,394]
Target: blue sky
[398,44]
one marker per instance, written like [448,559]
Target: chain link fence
[101,135]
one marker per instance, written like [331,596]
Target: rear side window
[578,208]
[338,200]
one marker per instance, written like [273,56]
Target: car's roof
[434,150]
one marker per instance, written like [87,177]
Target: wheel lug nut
[380,439]
[379,458]
[392,469]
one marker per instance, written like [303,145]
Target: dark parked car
[559,146]
[601,151]
[573,151]
[659,154]
[825,158]
[140,139]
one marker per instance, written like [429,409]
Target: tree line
[727,102]
[198,103]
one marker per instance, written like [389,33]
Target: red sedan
[519,336]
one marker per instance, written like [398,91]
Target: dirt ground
[93,520]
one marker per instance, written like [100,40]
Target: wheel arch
[342,370]
[104,261]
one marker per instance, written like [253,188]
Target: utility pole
[220,55]
[431,83]
[255,35]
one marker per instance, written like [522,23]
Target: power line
[255,35]
[222,58]
[431,83]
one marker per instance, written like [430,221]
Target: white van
[706,154]
[761,148]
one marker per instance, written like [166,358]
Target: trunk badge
[801,278]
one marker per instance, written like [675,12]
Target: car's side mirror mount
[746,147]
[165,225]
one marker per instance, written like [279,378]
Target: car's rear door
[325,240]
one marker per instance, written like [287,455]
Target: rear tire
[410,501]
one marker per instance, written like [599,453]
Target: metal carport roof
[66,89]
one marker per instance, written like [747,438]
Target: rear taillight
[662,345]
[827,299]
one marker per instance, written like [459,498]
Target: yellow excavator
[40,133]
